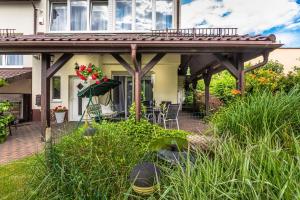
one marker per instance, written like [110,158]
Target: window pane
[123,15]
[58,17]
[164,10]
[56,87]
[14,60]
[99,15]
[78,15]
[143,14]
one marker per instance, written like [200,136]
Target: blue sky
[279,17]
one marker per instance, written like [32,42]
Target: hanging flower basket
[90,72]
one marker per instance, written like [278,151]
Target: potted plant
[60,113]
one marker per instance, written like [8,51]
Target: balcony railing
[7,32]
[196,32]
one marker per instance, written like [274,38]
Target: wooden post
[241,74]
[207,79]
[137,95]
[45,95]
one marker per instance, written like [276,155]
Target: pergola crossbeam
[58,64]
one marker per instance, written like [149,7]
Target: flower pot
[60,117]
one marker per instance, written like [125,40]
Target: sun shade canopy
[99,89]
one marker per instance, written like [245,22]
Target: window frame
[52,89]
[50,15]
[90,14]
[111,24]
[5,65]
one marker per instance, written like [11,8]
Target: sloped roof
[13,74]
[120,42]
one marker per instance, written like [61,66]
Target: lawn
[14,178]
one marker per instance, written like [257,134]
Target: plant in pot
[60,113]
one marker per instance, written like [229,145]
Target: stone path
[24,141]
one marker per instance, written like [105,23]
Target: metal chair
[171,115]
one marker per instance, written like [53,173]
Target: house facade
[162,83]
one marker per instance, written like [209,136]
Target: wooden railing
[196,32]
[7,32]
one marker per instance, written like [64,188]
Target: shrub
[256,171]
[261,113]
[5,119]
[96,167]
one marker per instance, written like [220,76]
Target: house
[138,42]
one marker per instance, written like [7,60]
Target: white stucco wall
[289,57]
[165,86]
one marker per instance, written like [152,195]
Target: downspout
[264,62]
[178,15]
[34,18]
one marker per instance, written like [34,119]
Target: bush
[96,167]
[261,113]
[5,119]
[256,171]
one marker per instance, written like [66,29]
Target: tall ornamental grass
[259,171]
[261,114]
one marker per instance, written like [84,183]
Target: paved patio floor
[26,139]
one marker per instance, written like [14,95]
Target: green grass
[14,178]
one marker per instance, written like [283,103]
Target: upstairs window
[11,60]
[58,17]
[14,60]
[164,14]
[143,15]
[78,15]
[124,15]
[99,15]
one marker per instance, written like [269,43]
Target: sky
[279,17]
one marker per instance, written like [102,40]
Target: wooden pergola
[204,51]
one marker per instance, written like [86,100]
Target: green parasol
[98,89]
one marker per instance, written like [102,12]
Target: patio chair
[104,111]
[171,115]
[149,115]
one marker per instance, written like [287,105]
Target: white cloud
[289,39]
[247,15]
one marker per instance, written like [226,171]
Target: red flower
[82,77]
[89,69]
[78,73]
[98,82]
[105,79]
[82,67]
[90,65]
[94,77]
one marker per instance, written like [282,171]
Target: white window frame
[111,17]
[5,65]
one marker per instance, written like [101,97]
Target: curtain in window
[123,15]
[143,14]
[78,15]
[14,60]
[99,15]
[164,10]
[58,17]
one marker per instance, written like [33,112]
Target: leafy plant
[2,82]
[5,119]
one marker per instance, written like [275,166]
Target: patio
[26,139]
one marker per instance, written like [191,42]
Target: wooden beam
[152,63]
[123,63]
[207,79]
[134,58]
[45,94]
[226,63]
[241,74]
[137,95]
[59,64]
